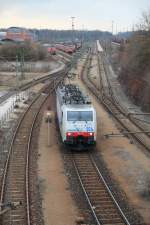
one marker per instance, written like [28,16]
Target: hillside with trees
[47,35]
[52,36]
[135,64]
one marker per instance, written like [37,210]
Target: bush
[30,52]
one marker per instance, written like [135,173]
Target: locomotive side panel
[59,115]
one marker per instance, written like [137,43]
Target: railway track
[103,68]
[104,207]
[105,95]
[129,124]
[16,180]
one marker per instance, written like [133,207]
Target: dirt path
[58,206]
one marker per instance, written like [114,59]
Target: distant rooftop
[17,29]
[20,34]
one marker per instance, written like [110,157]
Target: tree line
[48,35]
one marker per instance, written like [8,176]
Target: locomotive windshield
[80,116]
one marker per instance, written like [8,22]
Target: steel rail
[86,194]
[76,158]
[108,189]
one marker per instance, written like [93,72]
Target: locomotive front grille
[80,138]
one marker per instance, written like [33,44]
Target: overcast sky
[55,14]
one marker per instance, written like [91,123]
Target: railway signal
[48,121]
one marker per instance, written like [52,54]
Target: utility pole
[112,27]
[17,66]
[17,77]
[73,27]
[116,29]
[82,33]
[22,63]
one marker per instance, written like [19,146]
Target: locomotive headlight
[68,134]
[91,134]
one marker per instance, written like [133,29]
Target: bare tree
[144,23]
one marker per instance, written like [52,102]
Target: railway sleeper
[93,186]
[85,165]
[91,177]
[105,205]
[108,215]
[19,211]
[93,182]
[97,194]
[100,198]
[16,191]
[14,179]
[18,152]
[117,224]
[15,222]
[18,173]
[106,210]
[21,139]
[18,187]
[18,149]
[18,216]
[110,220]
[17,198]
[16,165]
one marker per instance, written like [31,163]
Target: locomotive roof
[71,95]
[78,107]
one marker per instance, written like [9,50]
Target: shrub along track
[18,177]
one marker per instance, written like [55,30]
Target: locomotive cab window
[80,116]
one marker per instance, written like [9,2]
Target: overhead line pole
[112,26]
[73,27]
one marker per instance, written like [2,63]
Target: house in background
[17,34]
[2,35]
